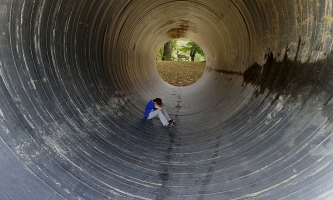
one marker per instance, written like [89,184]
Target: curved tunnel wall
[75,77]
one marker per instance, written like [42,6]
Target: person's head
[158,101]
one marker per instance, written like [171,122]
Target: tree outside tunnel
[180,62]
[181,49]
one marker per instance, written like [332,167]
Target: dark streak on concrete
[210,170]
[164,191]
[282,76]
[291,77]
[229,72]
[181,31]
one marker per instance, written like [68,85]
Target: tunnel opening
[180,62]
[75,77]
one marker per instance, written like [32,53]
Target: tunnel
[75,77]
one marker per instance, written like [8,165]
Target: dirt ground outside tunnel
[180,73]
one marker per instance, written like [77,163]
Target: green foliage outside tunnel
[190,50]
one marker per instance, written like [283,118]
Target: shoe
[169,125]
[172,121]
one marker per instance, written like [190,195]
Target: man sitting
[156,108]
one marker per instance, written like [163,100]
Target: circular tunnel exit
[75,77]
[180,62]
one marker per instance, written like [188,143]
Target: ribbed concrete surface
[76,75]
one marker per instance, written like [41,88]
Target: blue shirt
[149,107]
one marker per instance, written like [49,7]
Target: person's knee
[154,113]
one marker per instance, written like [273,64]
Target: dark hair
[158,101]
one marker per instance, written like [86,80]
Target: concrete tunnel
[76,75]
